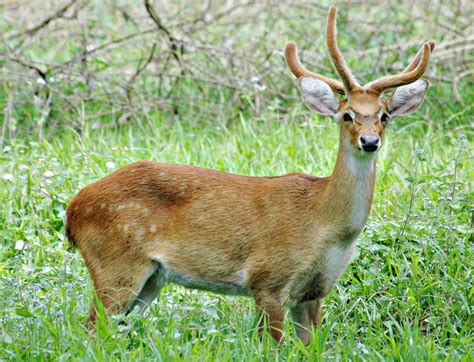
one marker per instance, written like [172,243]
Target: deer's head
[362,114]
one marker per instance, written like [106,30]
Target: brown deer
[282,240]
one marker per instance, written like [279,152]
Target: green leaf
[23,312]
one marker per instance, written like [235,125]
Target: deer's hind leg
[123,283]
[151,289]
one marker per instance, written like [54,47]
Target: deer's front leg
[314,311]
[305,316]
[272,314]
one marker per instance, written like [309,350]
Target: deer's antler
[413,72]
[417,57]
[349,84]
[345,73]
[293,61]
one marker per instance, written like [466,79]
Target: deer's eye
[385,117]
[347,117]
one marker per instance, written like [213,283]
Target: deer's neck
[350,191]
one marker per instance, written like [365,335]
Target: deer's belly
[195,282]
[231,283]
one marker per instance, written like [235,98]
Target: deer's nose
[369,143]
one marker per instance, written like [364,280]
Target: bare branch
[58,14]
[159,24]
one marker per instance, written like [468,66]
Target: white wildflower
[8,177]
[19,245]
[41,81]
[110,165]
[48,174]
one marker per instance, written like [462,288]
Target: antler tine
[348,79]
[417,58]
[393,81]
[293,61]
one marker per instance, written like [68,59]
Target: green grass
[408,295]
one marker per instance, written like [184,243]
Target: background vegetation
[89,86]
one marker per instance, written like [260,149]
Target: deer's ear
[318,96]
[407,98]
